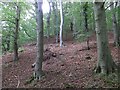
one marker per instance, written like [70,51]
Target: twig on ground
[18,82]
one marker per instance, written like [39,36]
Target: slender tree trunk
[61,24]
[15,57]
[118,23]
[38,64]
[114,21]
[55,20]
[118,15]
[86,22]
[48,21]
[105,62]
[57,25]
[93,21]
[8,42]
[74,28]
[3,48]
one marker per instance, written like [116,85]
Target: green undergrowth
[21,49]
[83,36]
[30,80]
[67,85]
[111,79]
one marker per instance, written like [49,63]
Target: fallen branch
[18,82]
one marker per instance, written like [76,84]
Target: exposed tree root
[105,70]
[38,77]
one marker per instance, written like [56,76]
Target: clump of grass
[67,85]
[29,81]
[21,49]
[111,79]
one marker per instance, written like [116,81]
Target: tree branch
[9,21]
[27,34]
[109,6]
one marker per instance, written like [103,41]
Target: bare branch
[109,6]
[18,82]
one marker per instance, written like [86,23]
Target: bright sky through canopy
[45,6]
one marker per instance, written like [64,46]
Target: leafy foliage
[72,11]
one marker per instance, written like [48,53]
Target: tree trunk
[118,15]
[3,48]
[105,62]
[61,24]
[38,64]
[93,21]
[8,42]
[119,23]
[15,57]
[74,28]
[48,21]
[55,9]
[86,22]
[114,21]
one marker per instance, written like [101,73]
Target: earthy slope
[70,66]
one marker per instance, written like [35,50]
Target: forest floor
[69,66]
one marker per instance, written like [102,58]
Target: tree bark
[93,21]
[48,20]
[74,28]
[105,62]
[118,23]
[55,9]
[38,64]
[61,24]
[8,42]
[86,21]
[17,20]
[114,21]
[118,15]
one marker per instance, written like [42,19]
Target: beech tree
[105,62]
[17,21]
[61,24]
[118,23]
[85,14]
[118,16]
[55,10]
[114,25]
[114,21]
[48,19]
[38,64]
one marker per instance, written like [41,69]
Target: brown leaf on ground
[70,66]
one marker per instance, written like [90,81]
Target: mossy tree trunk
[85,14]
[105,62]
[38,65]
[114,21]
[118,23]
[17,22]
